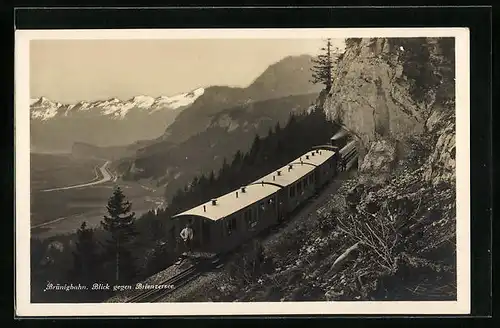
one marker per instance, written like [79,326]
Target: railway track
[154,295]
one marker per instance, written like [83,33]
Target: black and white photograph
[231,171]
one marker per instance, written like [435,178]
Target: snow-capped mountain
[44,109]
[56,126]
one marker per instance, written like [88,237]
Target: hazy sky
[74,70]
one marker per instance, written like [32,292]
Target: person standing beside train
[187,237]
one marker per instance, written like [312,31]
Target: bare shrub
[377,232]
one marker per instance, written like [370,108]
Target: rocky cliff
[389,92]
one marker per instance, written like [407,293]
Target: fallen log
[343,258]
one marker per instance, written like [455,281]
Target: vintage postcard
[242,172]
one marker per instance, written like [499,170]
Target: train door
[205,233]
[279,206]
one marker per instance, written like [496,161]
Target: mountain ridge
[111,122]
[44,108]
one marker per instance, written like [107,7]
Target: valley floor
[63,211]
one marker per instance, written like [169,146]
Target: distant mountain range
[56,126]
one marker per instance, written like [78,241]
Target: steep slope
[56,126]
[289,76]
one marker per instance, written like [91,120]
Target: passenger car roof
[300,167]
[316,157]
[229,203]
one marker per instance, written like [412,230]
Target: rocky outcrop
[386,91]
[440,166]
[379,160]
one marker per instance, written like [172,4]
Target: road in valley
[106,176]
[144,199]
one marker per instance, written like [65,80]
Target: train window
[299,187]
[231,225]
[292,191]
[234,223]
[251,219]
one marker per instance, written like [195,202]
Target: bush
[250,265]
[326,224]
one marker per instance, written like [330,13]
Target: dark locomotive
[222,224]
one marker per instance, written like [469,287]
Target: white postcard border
[22,186]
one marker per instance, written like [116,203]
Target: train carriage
[222,224]
[225,222]
[325,161]
[294,179]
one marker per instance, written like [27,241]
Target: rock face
[386,91]
[440,166]
[380,157]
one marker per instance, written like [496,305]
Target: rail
[179,280]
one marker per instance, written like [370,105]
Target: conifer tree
[121,226]
[238,158]
[277,128]
[323,65]
[211,178]
[85,257]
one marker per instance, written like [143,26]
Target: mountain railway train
[220,225]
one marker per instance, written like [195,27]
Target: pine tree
[254,150]
[323,65]
[224,168]
[85,258]
[121,226]
[277,128]
[237,160]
